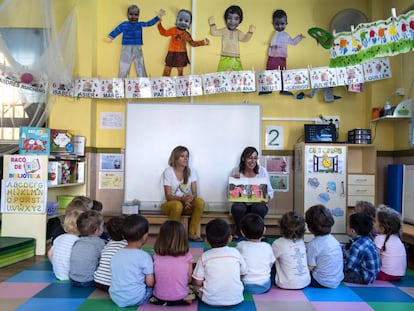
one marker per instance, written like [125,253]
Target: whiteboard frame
[207,130]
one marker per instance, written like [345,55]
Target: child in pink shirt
[172,266]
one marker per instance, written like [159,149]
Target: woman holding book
[250,168]
[180,189]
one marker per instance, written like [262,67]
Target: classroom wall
[96,58]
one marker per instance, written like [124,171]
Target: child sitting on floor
[87,250]
[60,252]
[290,251]
[216,277]
[258,255]
[392,251]
[324,253]
[132,270]
[362,261]
[173,266]
[102,275]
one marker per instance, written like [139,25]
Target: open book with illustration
[247,190]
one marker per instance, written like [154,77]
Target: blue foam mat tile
[382,294]
[33,276]
[59,304]
[341,293]
[64,290]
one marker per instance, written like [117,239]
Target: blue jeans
[256,289]
[82,284]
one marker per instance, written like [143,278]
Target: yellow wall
[96,58]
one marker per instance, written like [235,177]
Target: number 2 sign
[274,137]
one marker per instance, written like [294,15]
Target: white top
[220,270]
[394,259]
[325,254]
[262,174]
[102,274]
[177,187]
[292,270]
[61,250]
[259,260]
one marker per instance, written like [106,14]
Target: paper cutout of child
[231,36]
[177,56]
[277,52]
[132,41]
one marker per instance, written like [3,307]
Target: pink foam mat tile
[20,290]
[278,294]
[341,306]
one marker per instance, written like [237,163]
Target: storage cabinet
[336,175]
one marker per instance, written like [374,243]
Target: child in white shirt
[292,270]
[258,255]
[216,277]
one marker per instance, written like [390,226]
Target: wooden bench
[272,221]
[408,234]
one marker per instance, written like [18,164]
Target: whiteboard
[215,135]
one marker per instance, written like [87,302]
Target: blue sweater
[132,32]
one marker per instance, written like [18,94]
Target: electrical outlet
[400,91]
[328,120]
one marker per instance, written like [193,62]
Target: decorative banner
[371,40]
[86,87]
[242,81]
[269,80]
[323,77]
[350,75]
[296,79]
[215,83]
[189,86]
[163,87]
[111,88]
[138,88]
[62,89]
[377,69]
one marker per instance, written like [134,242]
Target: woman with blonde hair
[180,189]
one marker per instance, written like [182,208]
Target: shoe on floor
[195,238]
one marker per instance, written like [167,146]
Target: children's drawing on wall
[177,56]
[277,164]
[277,52]
[280,182]
[231,36]
[132,41]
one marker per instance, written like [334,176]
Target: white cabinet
[361,188]
[335,175]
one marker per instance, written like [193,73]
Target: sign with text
[23,196]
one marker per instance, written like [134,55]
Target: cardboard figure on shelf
[132,41]
[277,52]
[231,36]
[177,56]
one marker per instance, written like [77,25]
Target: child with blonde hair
[172,265]
[392,251]
[59,253]
[290,251]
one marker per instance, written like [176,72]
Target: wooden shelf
[390,118]
[66,185]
